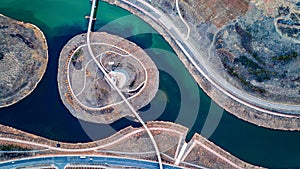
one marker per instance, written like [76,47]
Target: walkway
[199,63]
[116,88]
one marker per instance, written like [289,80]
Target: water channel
[179,99]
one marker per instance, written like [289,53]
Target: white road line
[234,96]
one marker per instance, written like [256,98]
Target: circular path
[88,94]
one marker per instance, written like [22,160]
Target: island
[88,94]
[23,59]
[97,74]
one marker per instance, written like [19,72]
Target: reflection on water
[43,113]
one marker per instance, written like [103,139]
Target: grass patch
[286,58]
[77,54]
[255,56]
[11,148]
[247,62]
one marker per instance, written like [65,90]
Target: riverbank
[51,119]
[128,143]
[240,108]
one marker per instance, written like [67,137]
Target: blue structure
[62,161]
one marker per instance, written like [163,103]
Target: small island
[88,94]
[23,59]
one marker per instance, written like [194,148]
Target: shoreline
[130,128]
[132,143]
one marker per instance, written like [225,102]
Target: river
[179,98]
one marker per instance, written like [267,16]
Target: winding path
[91,148]
[114,104]
[181,159]
[116,88]
[181,17]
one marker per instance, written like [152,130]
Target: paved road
[220,83]
[62,161]
[116,88]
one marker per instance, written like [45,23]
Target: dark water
[179,100]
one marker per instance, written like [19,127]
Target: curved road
[218,82]
[91,148]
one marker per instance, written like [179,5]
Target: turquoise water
[43,113]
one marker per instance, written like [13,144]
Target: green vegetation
[9,155]
[262,74]
[286,58]
[247,62]
[77,54]
[11,148]
[244,82]
[248,85]
[253,68]
[255,56]
[258,89]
